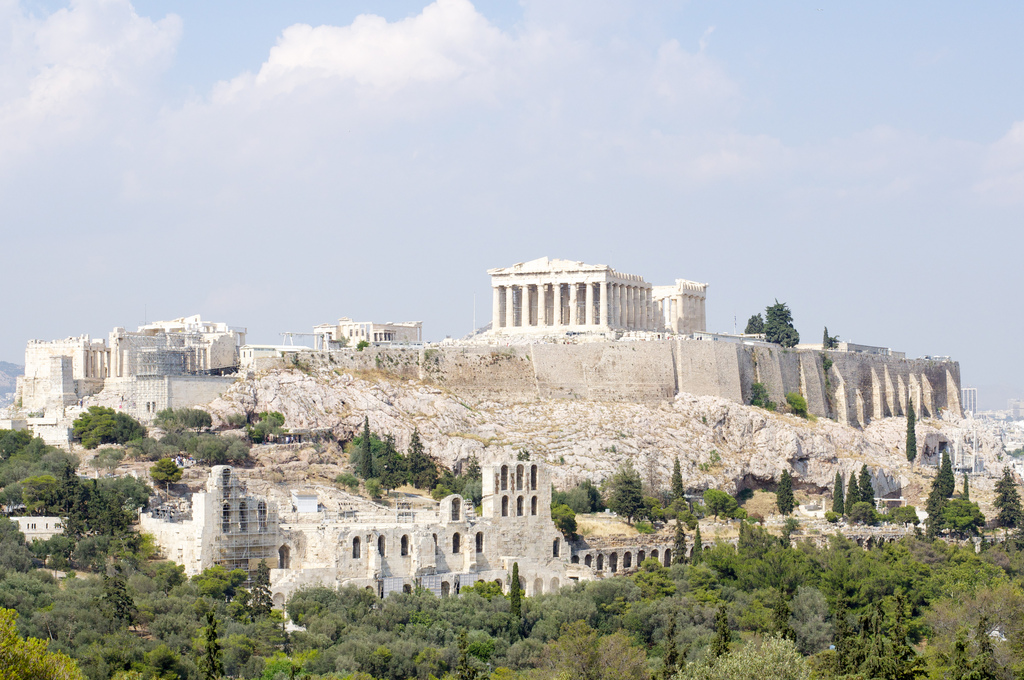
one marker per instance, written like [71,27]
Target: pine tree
[118,605]
[755,325]
[911,432]
[1007,502]
[780,618]
[784,495]
[936,504]
[946,480]
[366,461]
[967,489]
[838,505]
[697,554]
[677,481]
[720,643]
[867,492]
[852,493]
[262,603]
[465,668]
[422,469]
[778,325]
[211,666]
[679,545]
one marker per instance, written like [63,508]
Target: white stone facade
[350,333]
[39,528]
[552,297]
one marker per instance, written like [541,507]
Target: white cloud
[1003,178]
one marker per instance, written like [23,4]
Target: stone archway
[284,557]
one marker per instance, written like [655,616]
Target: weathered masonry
[548,296]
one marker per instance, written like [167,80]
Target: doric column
[496,310]
[588,310]
[605,305]
[573,290]
[643,308]
[649,305]
[508,292]
[631,304]
[556,290]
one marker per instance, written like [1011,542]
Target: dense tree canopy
[102,425]
[778,326]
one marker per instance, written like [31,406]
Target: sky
[279,165]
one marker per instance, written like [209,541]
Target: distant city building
[39,528]
[857,349]
[248,354]
[348,333]
[969,399]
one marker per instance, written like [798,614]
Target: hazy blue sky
[277,165]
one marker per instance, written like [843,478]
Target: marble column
[573,290]
[643,308]
[496,308]
[606,307]
[588,310]
[556,304]
[508,306]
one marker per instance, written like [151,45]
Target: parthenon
[548,296]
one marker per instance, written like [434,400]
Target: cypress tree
[967,489]
[211,666]
[911,432]
[838,504]
[867,492]
[677,481]
[697,554]
[671,659]
[720,644]
[946,480]
[784,495]
[366,460]
[262,604]
[937,501]
[1007,502]
[852,493]
[515,596]
[780,618]
[679,545]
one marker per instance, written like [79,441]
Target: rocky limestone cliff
[719,443]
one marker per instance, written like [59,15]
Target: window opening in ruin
[455,509]
[225,518]
[405,546]
[640,557]
[519,507]
[406,588]
[575,559]
[588,560]
[554,548]
[538,586]
[445,589]
[479,541]
[519,478]
[504,478]
[261,517]
[504,506]
[381,545]
[533,505]
[600,562]
[283,557]
[533,478]
[613,562]
[654,554]
[356,548]
[456,544]
[668,557]
[627,560]
[243,519]
[226,482]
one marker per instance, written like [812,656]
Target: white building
[350,333]
[39,528]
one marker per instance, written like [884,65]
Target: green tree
[565,519]
[117,604]
[759,397]
[838,506]
[28,659]
[262,603]
[101,425]
[626,498]
[697,553]
[422,469]
[829,341]
[962,517]
[774,658]
[720,504]
[393,468]
[945,478]
[211,664]
[781,613]
[778,326]
[515,599]
[784,500]
[797,404]
[862,513]
[366,462]
[720,643]
[966,494]
[1007,502]
[755,325]
[677,481]
[911,432]
[867,491]
[165,470]
[466,668]
[852,493]
[653,580]
[934,507]
[679,544]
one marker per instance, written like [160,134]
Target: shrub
[347,479]
[373,487]
[565,519]
[863,513]
[759,397]
[361,345]
[644,527]
[904,515]
[831,517]
[797,404]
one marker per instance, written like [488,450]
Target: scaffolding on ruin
[248,529]
[165,354]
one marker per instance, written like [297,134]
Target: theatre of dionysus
[550,297]
[347,540]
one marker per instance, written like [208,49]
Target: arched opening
[654,554]
[627,560]
[668,557]
[588,560]
[479,541]
[600,562]
[538,586]
[382,546]
[504,478]
[456,508]
[554,547]
[575,559]
[533,505]
[435,543]
[554,585]
[613,562]
[243,519]
[225,518]
[283,557]
[357,548]
[533,478]
[456,544]
[261,517]
[446,588]
[504,506]
[519,507]
[278,599]
[406,588]
[640,556]
[519,478]
[225,481]
[405,546]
